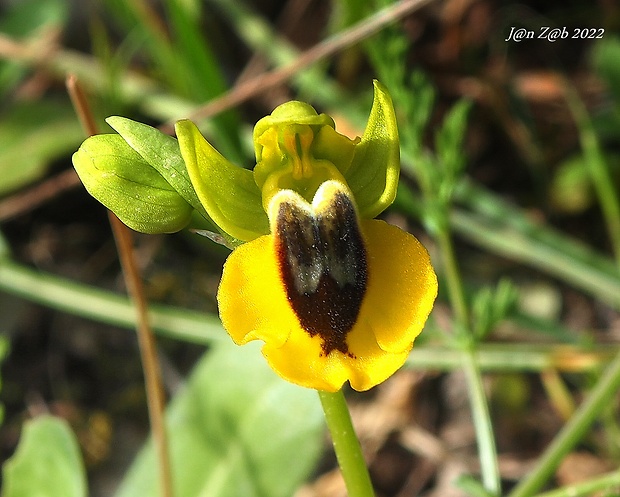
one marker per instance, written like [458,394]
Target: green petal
[334,147]
[227,192]
[117,176]
[293,112]
[373,175]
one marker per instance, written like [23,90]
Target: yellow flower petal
[402,285]
[400,292]
[251,298]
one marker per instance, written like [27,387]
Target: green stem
[598,168]
[198,327]
[453,278]
[573,431]
[504,229]
[589,487]
[482,422]
[480,411]
[346,445]
[103,306]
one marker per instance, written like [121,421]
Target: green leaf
[373,175]
[117,176]
[236,429]
[31,136]
[492,305]
[47,462]
[571,189]
[228,192]
[449,139]
[23,20]
[605,55]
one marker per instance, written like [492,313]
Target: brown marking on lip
[323,264]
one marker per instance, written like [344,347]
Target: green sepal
[228,192]
[373,174]
[118,177]
[162,152]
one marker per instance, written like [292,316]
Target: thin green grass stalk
[602,483]
[514,357]
[262,38]
[471,486]
[346,444]
[198,327]
[504,229]
[573,431]
[157,42]
[181,57]
[104,306]
[610,425]
[131,88]
[257,33]
[541,248]
[598,167]
[489,467]
[202,75]
[155,396]
[453,278]
[151,367]
[205,77]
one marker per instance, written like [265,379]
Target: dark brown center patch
[323,264]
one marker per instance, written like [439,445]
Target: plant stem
[598,168]
[453,278]
[589,487]
[148,353]
[480,411]
[346,445]
[482,421]
[187,325]
[573,431]
[133,281]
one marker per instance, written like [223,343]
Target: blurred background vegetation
[532,199]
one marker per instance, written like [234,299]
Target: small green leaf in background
[47,462]
[23,20]
[31,136]
[492,305]
[605,61]
[236,430]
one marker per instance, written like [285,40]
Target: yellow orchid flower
[335,295]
